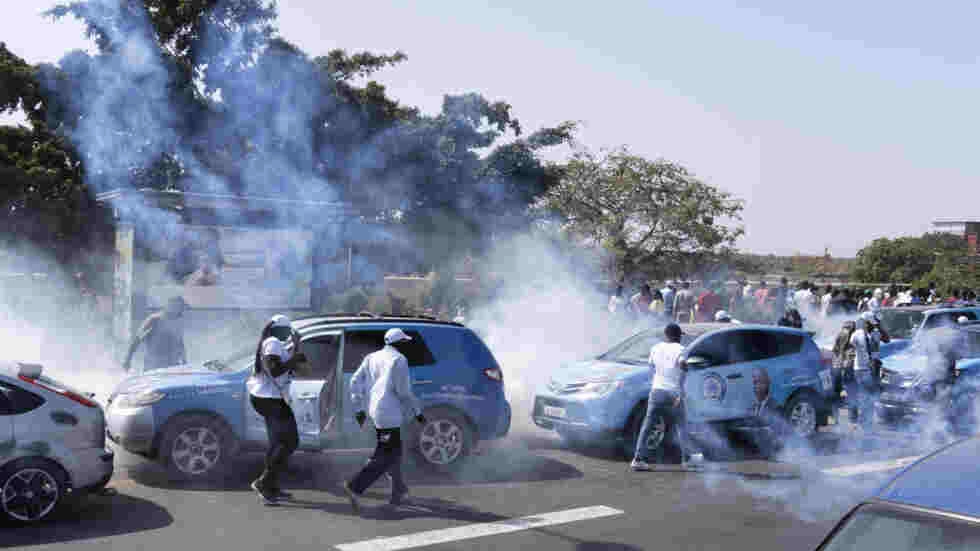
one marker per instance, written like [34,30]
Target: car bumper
[580,416]
[131,428]
[92,468]
[893,409]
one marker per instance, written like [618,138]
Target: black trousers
[387,458]
[280,423]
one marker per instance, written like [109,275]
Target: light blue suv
[195,420]
[606,397]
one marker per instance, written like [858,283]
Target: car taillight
[494,373]
[66,393]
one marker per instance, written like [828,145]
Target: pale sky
[837,122]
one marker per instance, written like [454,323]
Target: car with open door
[196,420]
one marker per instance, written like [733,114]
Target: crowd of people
[758,302]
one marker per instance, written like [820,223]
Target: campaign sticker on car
[554,412]
[825,379]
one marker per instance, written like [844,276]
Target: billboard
[228,267]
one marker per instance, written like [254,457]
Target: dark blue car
[194,420]
[933,504]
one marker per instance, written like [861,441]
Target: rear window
[946,319]
[896,530]
[358,344]
[747,346]
[15,401]
[901,324]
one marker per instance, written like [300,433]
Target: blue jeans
[660,403]
[861,393]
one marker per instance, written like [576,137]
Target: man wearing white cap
[722,316]
[383,382]
[276,360]
[861,392]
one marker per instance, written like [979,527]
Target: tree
[904,259]
[651,215]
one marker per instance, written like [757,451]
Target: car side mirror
[697,362]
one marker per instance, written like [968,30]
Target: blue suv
[736,375]
[196,420]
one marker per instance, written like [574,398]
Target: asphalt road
[524,492]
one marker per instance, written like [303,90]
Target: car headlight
[138,399]
[602,388]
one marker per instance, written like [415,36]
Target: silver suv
[52,443]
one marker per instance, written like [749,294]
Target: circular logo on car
[714,387]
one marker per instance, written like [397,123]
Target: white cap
[394,335]
[280,320]
[962,319]
[722,315]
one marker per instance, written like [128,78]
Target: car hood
[593,370]
[176,378]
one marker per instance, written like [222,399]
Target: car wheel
[444,440]
[656,439]
[196,447]
[31,489]
[801,415]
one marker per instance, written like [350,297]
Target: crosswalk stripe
[872,467]
[435,537]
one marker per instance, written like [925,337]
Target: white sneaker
[638,465]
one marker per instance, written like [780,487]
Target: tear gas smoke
[548,312]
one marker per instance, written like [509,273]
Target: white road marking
[875,466]
[435,537]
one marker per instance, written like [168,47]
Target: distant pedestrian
[664,401]
[657,304]
[828,295]
[668,292]
[162,333]
[381,387]
[640,302]
[864,388]
[781,297]
[708,303]
[684,304]
[616,301]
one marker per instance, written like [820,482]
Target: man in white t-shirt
[862,389]
[665,395]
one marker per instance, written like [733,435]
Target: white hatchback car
[52,443]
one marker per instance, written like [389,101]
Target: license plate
[554,412]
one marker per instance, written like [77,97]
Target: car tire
[31,489]
[633,433]
[801,414]
[197,447]
[444,441]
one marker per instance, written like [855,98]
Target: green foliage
[651,215]
[905,259]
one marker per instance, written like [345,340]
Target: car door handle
[421,382]
[307,397]
[734,376]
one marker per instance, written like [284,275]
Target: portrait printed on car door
[761,387]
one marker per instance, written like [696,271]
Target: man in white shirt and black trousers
[665,397]
[383,382]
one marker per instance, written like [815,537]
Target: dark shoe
[398,496]
[352,496]
[267,497]
[279,494]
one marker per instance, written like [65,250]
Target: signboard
[227,267]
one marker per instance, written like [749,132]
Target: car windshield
[634,350]
[876,527]
[901,324]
